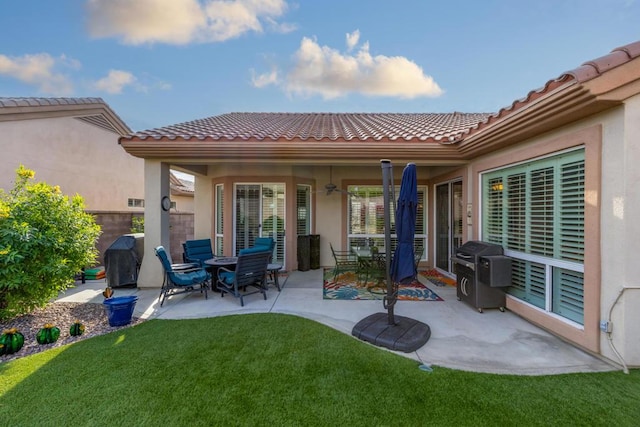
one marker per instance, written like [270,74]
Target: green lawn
[271,369]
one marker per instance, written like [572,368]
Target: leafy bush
[45,239]
[137,224]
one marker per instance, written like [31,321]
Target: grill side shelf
[464,262]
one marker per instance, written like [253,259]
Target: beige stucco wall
[612,202]
[183,203]
[621,232]
[329,212]
[79,157]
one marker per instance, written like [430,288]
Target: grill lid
[469,254]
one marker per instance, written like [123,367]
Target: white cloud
[264,79]
[325,71]
[182,21]
[352,40]
[38,70]
[280,27]
[115,81]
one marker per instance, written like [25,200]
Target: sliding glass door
[449,216]
[259,212]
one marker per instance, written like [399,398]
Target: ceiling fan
[331,187]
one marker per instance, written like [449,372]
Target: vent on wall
[100,121]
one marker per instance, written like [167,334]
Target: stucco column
[156,222]
[203,208]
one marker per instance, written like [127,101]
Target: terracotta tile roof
[595,67]
[318,126]
[587,71]
[180,186]
[445,128]
[39,102]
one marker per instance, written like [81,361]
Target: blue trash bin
[120,309]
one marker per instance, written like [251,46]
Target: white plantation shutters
[303,209]
[536,211]
[366,218]
[219,239]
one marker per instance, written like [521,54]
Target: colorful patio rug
[437,278]
[348,287]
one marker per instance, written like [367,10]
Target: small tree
[46,238]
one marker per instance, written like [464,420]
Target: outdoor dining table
[365,255]
[370,262]
[217,262]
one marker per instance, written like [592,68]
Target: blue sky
[162,62]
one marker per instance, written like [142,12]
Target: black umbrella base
[405,335]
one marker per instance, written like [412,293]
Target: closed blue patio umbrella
[385,329]
[403,268]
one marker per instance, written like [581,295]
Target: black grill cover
[122,262]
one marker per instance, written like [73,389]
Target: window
[366,218]
[536,211]
[303,209]
[135,203]
[219,226]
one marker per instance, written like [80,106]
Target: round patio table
[217,262]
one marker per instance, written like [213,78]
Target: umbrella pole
[387,182]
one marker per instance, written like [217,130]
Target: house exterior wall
[329,213]
[621,231]
[183,203]
[610,227]
[79,157]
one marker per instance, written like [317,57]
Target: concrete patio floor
[461,337]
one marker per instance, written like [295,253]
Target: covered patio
[311,174]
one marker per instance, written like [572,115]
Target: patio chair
[344,261]
[181,278]
[418,257]
[375,269]
[260,244]
[197,251]
[250,271]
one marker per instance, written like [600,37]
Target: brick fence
[115,224]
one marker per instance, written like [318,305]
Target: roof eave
[594,87]
[29,112]
[289,152]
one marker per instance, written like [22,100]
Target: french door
[449,208]
[259,212]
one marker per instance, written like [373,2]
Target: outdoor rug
[348,287]
[437,278]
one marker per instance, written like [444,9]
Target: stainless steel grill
[481,270]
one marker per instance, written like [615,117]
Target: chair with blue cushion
[250,271]
[260,244]
[265,241]
[180,278]
[197,251]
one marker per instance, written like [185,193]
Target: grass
[274,369]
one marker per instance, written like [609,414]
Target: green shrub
[45,239]
[137,224]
